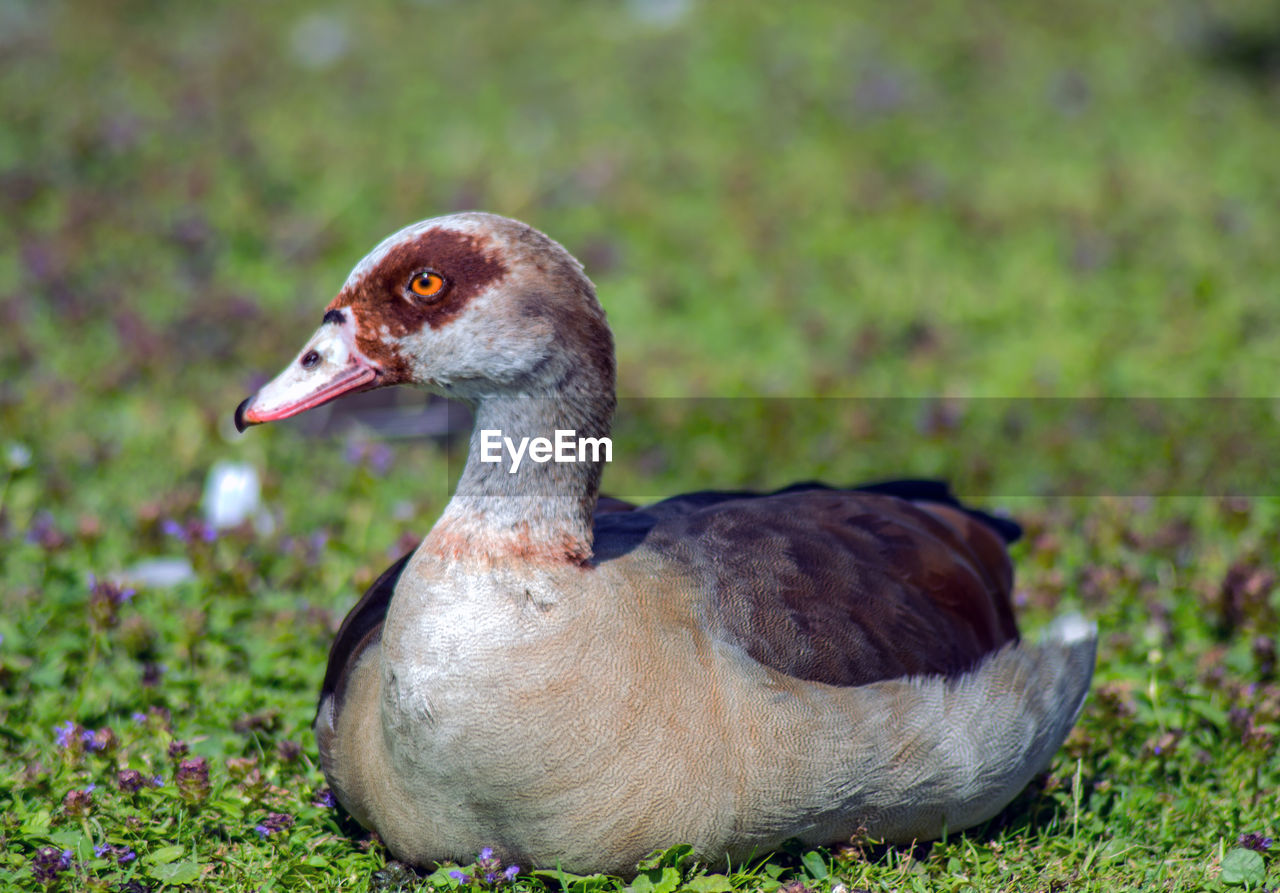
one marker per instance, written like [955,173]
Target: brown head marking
[469,265]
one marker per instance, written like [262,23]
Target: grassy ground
[778,204]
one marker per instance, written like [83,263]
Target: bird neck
[529,488]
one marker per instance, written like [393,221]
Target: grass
[853,222]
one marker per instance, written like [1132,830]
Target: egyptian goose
[577,685]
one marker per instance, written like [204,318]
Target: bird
[574,681]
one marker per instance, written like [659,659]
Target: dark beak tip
[241,424]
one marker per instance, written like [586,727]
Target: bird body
[577,683]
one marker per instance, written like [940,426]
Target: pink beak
[329,366]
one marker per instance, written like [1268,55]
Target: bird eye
[426,284]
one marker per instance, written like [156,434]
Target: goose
[575,681]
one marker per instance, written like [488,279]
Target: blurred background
[794,200]
[808,199]
[827,236]
[847,240]
[788,210]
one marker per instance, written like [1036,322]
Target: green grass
[777,203]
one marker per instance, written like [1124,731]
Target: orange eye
[427,284]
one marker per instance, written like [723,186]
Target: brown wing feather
[361,628]
[846,587]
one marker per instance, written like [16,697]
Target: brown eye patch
[465,264]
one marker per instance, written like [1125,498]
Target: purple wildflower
[273,823]
[44,532]
[487,867]
[460,877]
[192,779]
[488,870]
[65,733]
[104,739]
[105,600]
[324,797]
[139,718]
[178,749]
[189,532]
[1254,841]
[122,854]
[1240,718]
[129,780]
[49,862]
[78,803]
